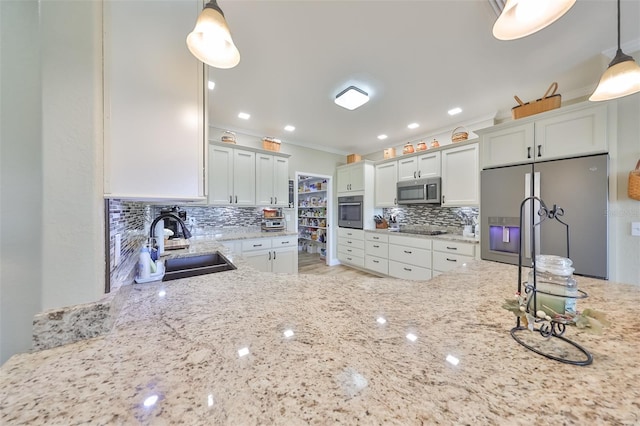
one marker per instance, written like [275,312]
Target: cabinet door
[244,178]
[264,179]
[344,179]
[259,259]
[385,184]
[508,146]
[285,260]
[154,102]
[460,176]
[407,168]
[357,177]
[573,133]
[429,165]
[281,181]
[220,175]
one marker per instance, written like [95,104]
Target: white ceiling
[416,59]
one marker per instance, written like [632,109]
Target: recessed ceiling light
[352,98]
[289,128]
[455,111]
[382,137]
[211,85]
[244,115]
[413,126]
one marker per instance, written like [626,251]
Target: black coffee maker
[172,224]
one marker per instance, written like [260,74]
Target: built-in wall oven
[350,212]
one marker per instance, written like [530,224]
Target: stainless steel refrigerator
[578,185]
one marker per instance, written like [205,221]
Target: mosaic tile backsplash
[454,218]
[204,217]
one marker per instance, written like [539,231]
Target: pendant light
[520,18]
[622,78]
[210,41]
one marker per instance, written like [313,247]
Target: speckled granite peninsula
[243,347]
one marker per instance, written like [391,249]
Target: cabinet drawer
[454,247]
[256,244]
[416,242]
[376,249]
[351,260]
[350,242]
[288,241]
[352,251]
[408,272]
[445,261]
[377,264]
[354,234]
[410,255]
[373,236]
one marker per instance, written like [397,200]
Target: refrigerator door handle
[536,209]
[527,216]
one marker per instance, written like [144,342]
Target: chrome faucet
[185,231]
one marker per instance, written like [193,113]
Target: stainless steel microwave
[419,191]
[350,212]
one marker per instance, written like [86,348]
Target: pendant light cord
[618,24]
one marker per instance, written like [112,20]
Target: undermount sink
[191,266]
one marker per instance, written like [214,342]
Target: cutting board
[176,244]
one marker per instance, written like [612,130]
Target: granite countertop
[245,347]
[446,237]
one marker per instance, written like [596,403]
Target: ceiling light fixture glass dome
[521,18]
[210,41]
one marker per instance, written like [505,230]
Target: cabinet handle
[452,248]
[349,250]
[284,242]
[395,201]
[451,260]
[408,251]
[257,245]
[376,238]
[443,199]
[349,233]
[539,150]
[274,255]
[414,175]
[269,255]
[375,246]
[271,200]
[348,258]
[349,242]
[230,199]
[376,261]
[419,173]
[236,199]
[408,269]
[276,200]
[528,152]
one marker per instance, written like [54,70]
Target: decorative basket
[458,136]
[549,101]
[634,183]
[389,153]
[271,144]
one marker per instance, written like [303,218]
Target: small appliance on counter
[273,220]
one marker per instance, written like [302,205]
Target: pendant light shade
[622,78]
[520,18]
[210,41]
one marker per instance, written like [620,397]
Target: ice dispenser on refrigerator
[504,234]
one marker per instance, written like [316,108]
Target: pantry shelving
[312,214]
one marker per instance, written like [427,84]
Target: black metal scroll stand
[548,328]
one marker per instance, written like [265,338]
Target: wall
[624,248]
[20,175]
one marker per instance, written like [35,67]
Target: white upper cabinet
[386,176]
[351,177]
[580,129]
[461,176]
[154,102]
[232,174]
[272,180]
[423,165]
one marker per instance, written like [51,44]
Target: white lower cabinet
[376,249]
[351,246]
[278,254]
[409,257]
[448,255]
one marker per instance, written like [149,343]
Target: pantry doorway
[314,218]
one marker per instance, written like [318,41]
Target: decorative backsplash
[206,217]
[447,217]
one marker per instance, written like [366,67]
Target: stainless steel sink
[191,266]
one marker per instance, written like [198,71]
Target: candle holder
[538,320]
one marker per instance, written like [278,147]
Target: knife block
[383,225]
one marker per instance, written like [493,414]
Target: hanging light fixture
[520,18]
[622,78]
[210,41]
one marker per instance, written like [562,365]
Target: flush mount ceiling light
[454,111]
[382,137]
[244,115]
[622,78]
[210,41]
[352,98]
[289,128]
[413,125]
[520,18]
